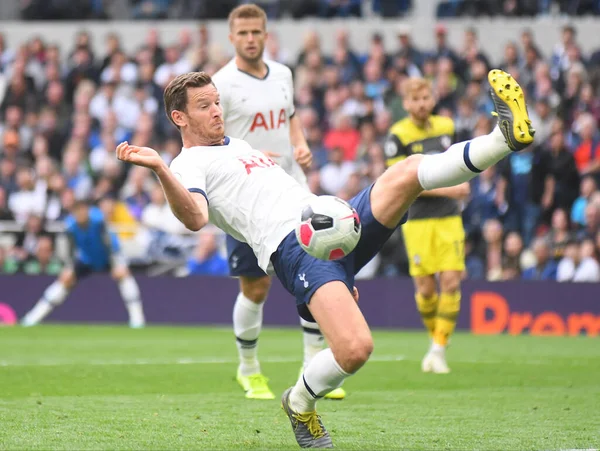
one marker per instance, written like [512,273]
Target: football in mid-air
[329,228]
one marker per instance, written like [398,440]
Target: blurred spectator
[558,171]
[560,233]
[14,119]
[74,171]
[511,262]
[592,221]
[173,66]
[588,187]
[407,48]
[27,200]
[486,202]
[343,136]
[274,51]
[136,191]
[335,175]
[341,8]
[578,264]
[5,213]
[42,261]
[207,260]
[587,154]
[545,267]
[492,234]
[150,9]
[543,117]
[157,214]
[8,264]
[57,10]
[27,240]
[119,69]
[474,265]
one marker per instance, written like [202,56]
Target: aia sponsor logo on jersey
[268,121]
[254,162]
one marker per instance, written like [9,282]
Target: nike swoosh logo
[517,102]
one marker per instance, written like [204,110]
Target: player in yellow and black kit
[434,234]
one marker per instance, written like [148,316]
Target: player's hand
[303,156]
[355,294]
[140,156]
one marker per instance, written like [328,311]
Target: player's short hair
[248,11]
[415,84]
[175,95]
[80,203]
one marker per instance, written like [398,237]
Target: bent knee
[355,354]
[255,289]
[450,282]
[67,278]
[120,272]
[426,286]
[407,170]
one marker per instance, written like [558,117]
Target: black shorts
[82,270]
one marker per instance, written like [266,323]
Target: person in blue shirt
[94,249]
[545,268]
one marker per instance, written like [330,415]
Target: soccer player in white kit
[249,196]
[257,98]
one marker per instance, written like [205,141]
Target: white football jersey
[249,196]
[259,110]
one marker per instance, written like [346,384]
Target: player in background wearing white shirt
[247,195]
[257,98]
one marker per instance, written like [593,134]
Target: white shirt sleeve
[565,271]
[587,271]
[190,176]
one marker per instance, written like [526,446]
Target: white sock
[53,296]
[437,348]
[247,322]
[322,375]
[462,161]
[313,340]
[130,292]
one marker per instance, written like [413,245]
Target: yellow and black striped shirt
[406,139]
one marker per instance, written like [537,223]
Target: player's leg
[426,297]
[450,237]
[350,345]
[247,324]
[445,321]
[248,317]
[130,293]
[53,296]
[397,188]
[313,344]
[419,239]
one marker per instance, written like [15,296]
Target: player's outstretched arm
[302,153]
[190,208]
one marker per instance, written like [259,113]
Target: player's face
[419,104]
[81,215]
[248,36]
[204,116]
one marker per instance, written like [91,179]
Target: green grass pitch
[102,387]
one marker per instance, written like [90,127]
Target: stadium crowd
[535,216]
[297,9]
